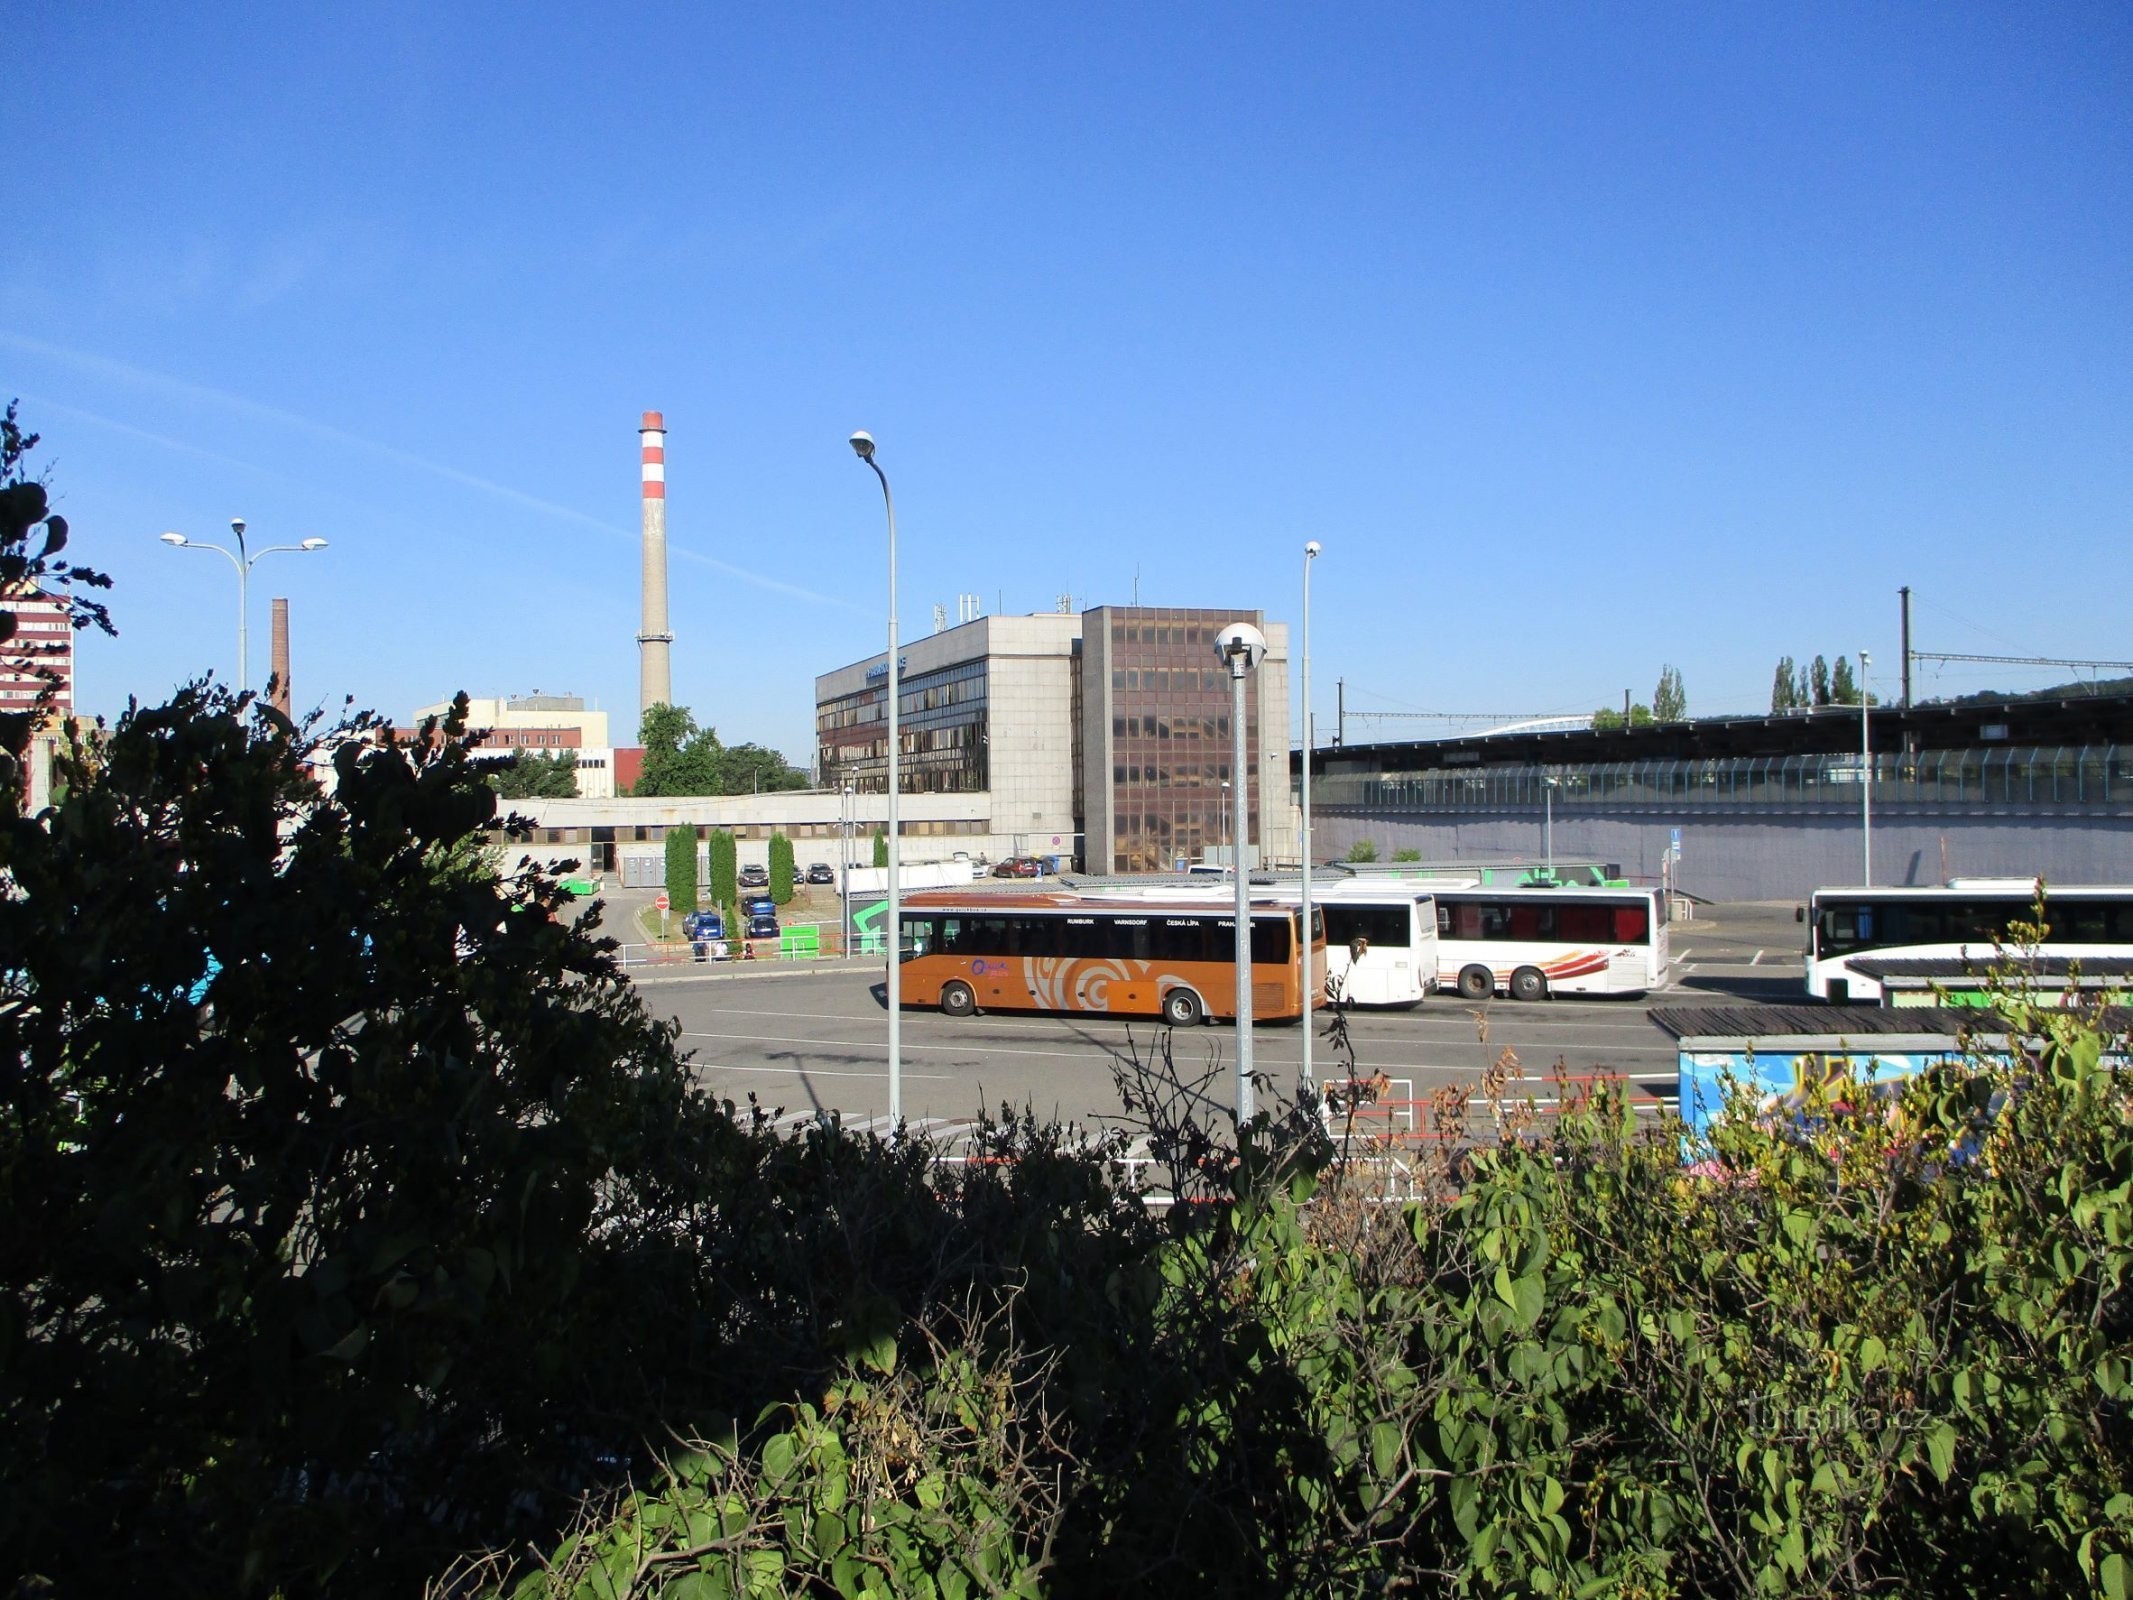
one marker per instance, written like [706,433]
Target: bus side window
[1632,926]
[918,935]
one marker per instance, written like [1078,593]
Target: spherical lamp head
[1240,646]
[237,526]
[1311,550]
[863,445]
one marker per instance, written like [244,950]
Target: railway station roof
[1832,730]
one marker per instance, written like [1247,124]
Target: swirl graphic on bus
[1067,984]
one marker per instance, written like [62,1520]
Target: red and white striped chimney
[654,642]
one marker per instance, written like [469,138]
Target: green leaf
[2111,1576]
[1940,1449]
[1384,1448]
[1528,1297]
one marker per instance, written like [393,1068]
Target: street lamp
[244,562]
[1311,550]
[844,869]
[1241,647]
[1549,785]
[1866,779]
[863,446]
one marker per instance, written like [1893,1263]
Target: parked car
[753,877]
[1019,867]
[760,906]
[821,872]
[762,926]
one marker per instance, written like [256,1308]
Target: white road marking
[821,1072]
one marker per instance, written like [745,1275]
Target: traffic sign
[662,902]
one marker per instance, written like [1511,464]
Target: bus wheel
[957,1000]
[1181,1008]
[1477,983]
[1528,984]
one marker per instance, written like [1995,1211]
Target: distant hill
[2080,689]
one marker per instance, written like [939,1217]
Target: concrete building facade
[1101,737]
[545,724]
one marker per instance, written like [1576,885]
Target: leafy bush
[681,871]
[780,869]
[881,848]
[724,869]
[1881,1348]
[1363,850]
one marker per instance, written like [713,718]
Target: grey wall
[1762,857]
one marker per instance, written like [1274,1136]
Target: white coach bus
[1959,922]
[1393,924]
[1533,943]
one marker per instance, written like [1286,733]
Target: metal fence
[2083,775]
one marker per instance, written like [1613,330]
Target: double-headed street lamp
[244,561]
[1241,647]
[863,445]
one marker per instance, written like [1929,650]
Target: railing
[2086,775]
[800,941]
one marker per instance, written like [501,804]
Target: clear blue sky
[1586,338]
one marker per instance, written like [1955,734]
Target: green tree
[1843,688]
[881,849]
[1363,850]
[681,758]
[1609,720]
[780,869]
[533,775]
[1784,691]
[681,870]
[1818,683]
[309,1155]
[1670,701]
[724,859]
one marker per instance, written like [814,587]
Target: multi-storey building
[1102,737]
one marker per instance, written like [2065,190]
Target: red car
[1019,867]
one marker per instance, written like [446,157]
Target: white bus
[1958,922]
[1532,943]
[1397,926]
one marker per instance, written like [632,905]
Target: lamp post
[1310,975]
[863,445]
[1549,784]
[244,561]
[844,870]
[1866,779]
[1241,647]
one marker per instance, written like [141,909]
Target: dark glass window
[1386,927]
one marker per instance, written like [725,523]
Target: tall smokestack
[280,668]
[654,642]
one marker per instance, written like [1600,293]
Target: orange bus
[1067,952]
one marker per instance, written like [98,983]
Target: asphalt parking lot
[808,1040]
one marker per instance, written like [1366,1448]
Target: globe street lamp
[1311,550]
[244,561]
[863,446]
[1241,647]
